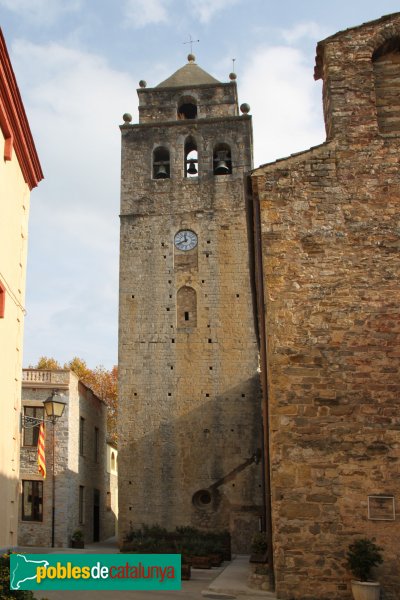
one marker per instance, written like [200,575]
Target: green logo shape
[95,571]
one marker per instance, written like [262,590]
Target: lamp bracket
[30,422]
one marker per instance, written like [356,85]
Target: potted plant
[77,540]
[363,554]
[259,548]
[199,557]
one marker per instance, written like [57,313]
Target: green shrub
[77,536]
[362,555]
[185,540]
[187,531]
[5,592]
[154,531]
[259,544]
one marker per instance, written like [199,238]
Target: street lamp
[54,406]
[54,409]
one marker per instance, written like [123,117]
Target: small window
[161,163]
[186,306]
[96,444]
[31,434]
[2,300]
[32,500]
[81,504]
[81,435]
[222,160]
[187,108]
[113,462]
[191,158]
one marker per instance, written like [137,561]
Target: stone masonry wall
[71,469]
[92,473]
[161,104]
[330,242]
[31,533]
[189,416]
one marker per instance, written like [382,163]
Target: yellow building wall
[14,212]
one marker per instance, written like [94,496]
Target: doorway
[96,515]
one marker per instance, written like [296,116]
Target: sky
[78,64]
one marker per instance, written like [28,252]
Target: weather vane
[233,65]
[191,42]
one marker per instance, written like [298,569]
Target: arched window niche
[191,158]
[222,160]
[186,307]
[187,108]
[386,65]
[161,163]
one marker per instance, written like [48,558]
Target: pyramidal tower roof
[188,76]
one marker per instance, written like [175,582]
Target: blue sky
[78,64]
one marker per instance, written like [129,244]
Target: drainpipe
[264,380]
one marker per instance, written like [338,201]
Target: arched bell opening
[191,158]
[161,163]
[187,108]
[222,160]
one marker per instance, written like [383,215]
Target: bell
[192,168]
[161,172]
[221,168]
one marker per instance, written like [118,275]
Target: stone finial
[191,58]
[127,118]
[232,76]
[245,108]
[142,83]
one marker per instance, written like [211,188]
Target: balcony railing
[40,376]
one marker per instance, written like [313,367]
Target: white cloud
[140,13]
[309,30]
[44,12]
[206,9]
[285,102]
[74,101]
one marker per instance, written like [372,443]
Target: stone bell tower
[189,422]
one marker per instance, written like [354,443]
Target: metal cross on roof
[191,42]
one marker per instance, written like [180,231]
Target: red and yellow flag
[40,450]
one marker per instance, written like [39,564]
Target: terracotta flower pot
[365,590]
[216,559]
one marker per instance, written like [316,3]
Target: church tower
[190,417]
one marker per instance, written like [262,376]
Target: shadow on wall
[70,504]
[200,469]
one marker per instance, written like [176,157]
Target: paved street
[225,582]
[191,590]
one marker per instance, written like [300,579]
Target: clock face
[185,240]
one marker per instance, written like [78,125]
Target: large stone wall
[189,405]
[330,242]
